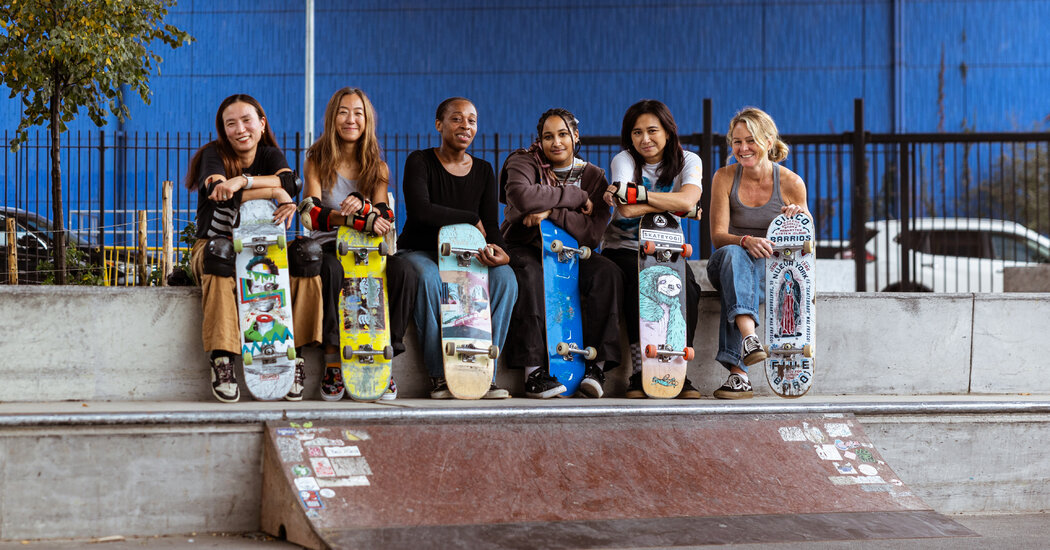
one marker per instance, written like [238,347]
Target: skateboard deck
[662,253]
[264,302]
[364,332]
[466,322]
[561,298]
[790,305]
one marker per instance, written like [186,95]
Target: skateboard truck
[569,350]
[361,252]
[664,353]
[259,244]
[469,352]
[790,349]
[269,355]
[664,253]
[463,255]
[565,253]
[366,353]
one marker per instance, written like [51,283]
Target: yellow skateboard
[364,332]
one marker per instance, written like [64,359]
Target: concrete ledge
[144,344]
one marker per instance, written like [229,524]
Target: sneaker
[440,389]
[500,393]
[688,391]
[391,391]
[541,385]
[296,392]
[593,379]
[332,388]
[634,387]
[752,350]
[736,387]
[224,380]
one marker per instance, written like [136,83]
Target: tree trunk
[59,250]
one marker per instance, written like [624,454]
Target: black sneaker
[634,387]
[688,391]
[440,389]
[540,385]
[752,350]
[593,379]
[736,387]
[332,388]
[500,393]
[224,380]
[296,392]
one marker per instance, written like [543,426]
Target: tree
[64,55]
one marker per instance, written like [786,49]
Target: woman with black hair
[652,174]
[548,181]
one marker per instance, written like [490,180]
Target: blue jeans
[503,293]
[739,280]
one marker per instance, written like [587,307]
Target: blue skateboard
[561,292]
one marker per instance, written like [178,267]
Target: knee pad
[219,257]
[304,258]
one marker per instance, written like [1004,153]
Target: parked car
[949,254]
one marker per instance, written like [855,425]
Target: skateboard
[561,299]
[466,322]
[364,333]
[662,254]
[264,302]
[790,305]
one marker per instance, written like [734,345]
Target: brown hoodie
[523,191]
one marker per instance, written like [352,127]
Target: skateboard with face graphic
[662,254]
[561,299]
[790,305]
[466,321]
[364,332]
[264,302]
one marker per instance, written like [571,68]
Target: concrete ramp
[596,482]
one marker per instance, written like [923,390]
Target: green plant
[187,237]
[81,272]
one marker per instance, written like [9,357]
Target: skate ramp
[597,482]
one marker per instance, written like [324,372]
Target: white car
[949,254]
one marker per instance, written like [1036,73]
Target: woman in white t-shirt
[652,174]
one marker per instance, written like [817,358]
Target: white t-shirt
[623,232]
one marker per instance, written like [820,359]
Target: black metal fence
[911,211]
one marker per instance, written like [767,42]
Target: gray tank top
[753,220]
[331,199]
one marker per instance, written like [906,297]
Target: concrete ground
[1017,532]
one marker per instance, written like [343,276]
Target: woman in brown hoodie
[548,181]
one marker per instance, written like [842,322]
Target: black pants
[401,285]
[601,288]
[626,259]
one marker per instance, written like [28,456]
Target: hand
[224,190]
[350,205]
[381,225]
[286,208]
[492,255]
[791,209]
[481,228]
[609,194]
[532,220]
[758,247]
[588,208]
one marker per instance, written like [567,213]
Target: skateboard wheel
[648,247]
[687,250]
[446,249]
[591,353]
[238,245]
[807,350]
[282,242]
[246,358]
[556,246]
[585,252]
[388,353]
[343,248]
[562,349]
[689,353]
[383,251]
[348,353]
[807,247]
[450,349]
[493,351]
[651,351]
[291,353]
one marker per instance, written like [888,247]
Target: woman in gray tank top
[745,197]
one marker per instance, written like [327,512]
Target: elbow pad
[631,193]
[291,183]
[692,213]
